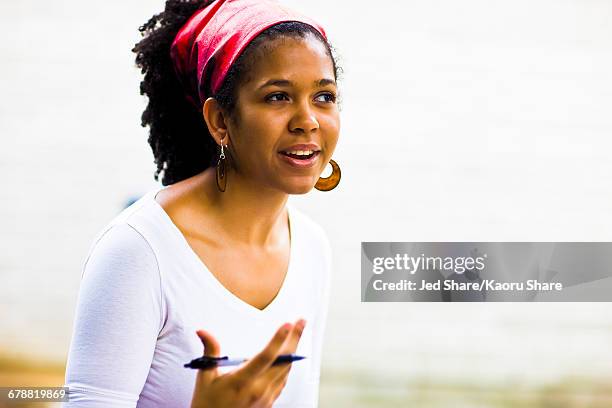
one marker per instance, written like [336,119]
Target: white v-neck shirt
[144,292]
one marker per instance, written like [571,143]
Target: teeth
[301,152]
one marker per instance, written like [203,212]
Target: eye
[331,98]
[271,98]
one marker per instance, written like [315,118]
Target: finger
[273,391]
[279,377]
[211,349]
[279,388]
[266,357]
[290,347]
[273,377]
[294,337]
[276,374]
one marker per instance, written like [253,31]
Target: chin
[299,188]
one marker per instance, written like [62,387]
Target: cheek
[261,129]
[332,134]
[254,142]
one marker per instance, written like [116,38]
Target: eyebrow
[284,82]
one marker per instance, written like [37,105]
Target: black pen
[208,362]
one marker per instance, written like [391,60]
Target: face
[286,107]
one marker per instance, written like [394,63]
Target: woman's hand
[256,384]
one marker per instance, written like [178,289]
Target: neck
[250,214]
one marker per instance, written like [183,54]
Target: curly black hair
[181,143]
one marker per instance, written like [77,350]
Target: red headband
[223,29]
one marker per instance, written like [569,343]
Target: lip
[308,146]
[301,164]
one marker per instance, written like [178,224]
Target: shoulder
[308,229]
[121,249]
[119,238]
[312,240]
[129,232]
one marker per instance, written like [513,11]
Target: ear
[216,121]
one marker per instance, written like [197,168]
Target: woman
[242,112]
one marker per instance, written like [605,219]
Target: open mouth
[300,155]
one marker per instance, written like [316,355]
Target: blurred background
[461,121]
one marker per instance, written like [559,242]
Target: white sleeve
[321,320]
[118,317]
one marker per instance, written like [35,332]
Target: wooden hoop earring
[222,171]
[329,183]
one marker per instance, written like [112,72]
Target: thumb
[211,349]
[211,345]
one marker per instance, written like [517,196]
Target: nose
[304,120]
